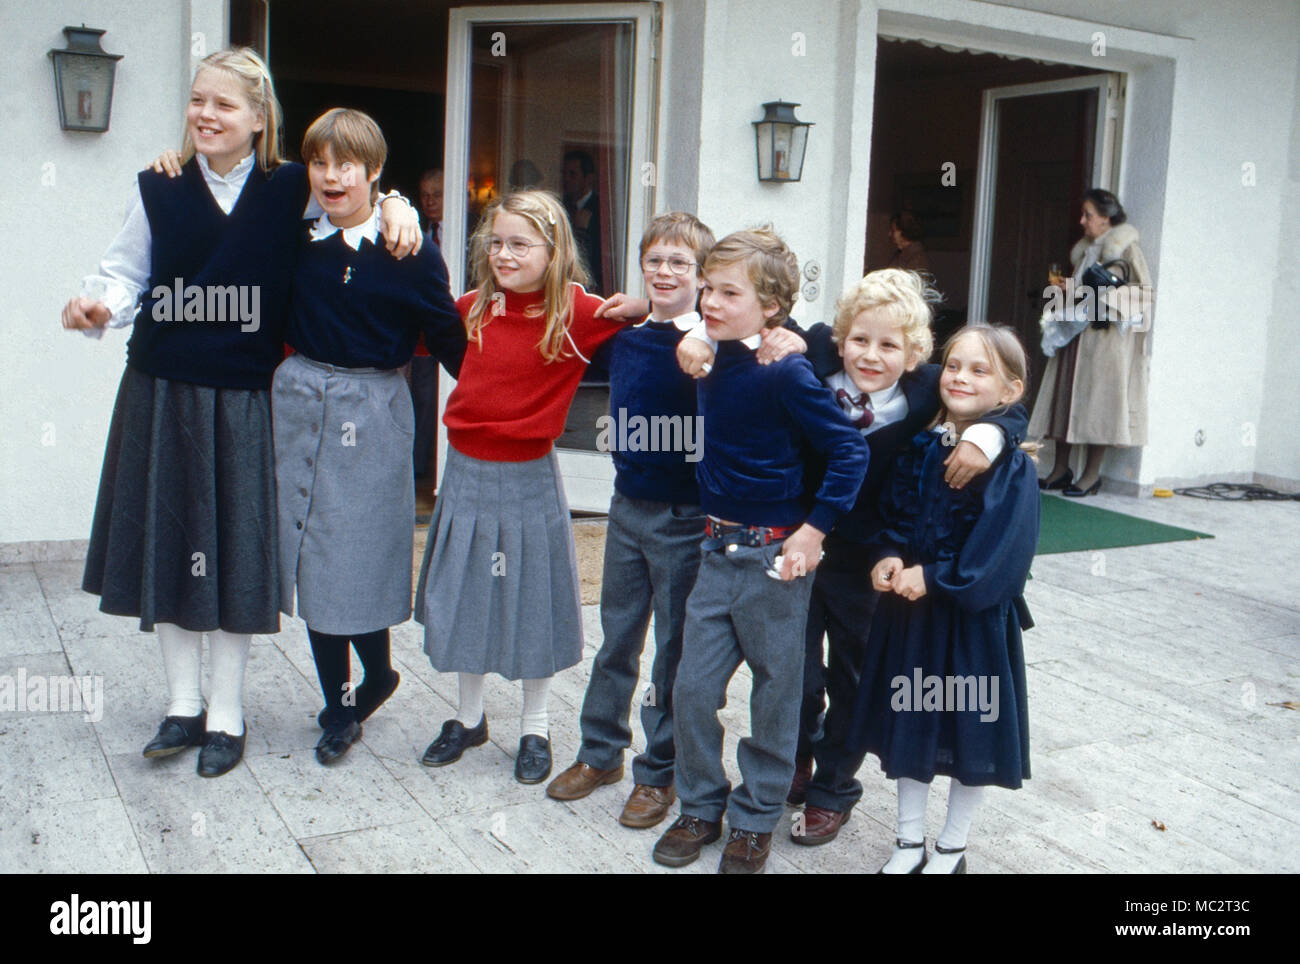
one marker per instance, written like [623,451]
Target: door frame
[1105,163]
[588,476]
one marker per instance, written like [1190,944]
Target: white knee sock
[182,653]
[535,719]
[912,796]
[963,801]
[226,703]
[471,699]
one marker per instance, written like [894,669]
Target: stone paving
[1154,744]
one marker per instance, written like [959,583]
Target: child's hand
[882,576]
[779,342]
[967,461]
[910,583]
[168,162]
[802,552]
[401,227]
[81,314]
[695,357]
[622,307]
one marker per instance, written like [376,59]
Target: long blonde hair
[545,213]
[245,65]
[1009,360]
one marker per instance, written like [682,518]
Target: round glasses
[677,266]
[516,246]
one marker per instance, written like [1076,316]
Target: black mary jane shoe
[1074,492]
[221,752]
[1060,482]
[336,741]
[960,867]
[453,741]
[176,733]
[370,697]
[533,762]
[908,845]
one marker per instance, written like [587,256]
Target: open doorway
[931,109]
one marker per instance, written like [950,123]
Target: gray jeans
[737,612]
[652,553]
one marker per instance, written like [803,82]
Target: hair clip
[550,217]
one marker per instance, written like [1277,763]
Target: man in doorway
[578,177]
[906,232]
[431,204]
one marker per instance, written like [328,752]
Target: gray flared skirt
[343,441]
[184,526]
[498,589]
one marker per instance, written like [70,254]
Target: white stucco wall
[69,192]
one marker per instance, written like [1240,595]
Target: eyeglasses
[675,265]
[516,246]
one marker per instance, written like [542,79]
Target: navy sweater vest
[646,383]
[765,428]
[365,309]
[217,301]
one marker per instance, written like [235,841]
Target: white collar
[753,341]
[879,399]
[236,173]
[577,206]
[683,322]
[367,229]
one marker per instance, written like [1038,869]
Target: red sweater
[509,405]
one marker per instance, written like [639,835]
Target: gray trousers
[652,553]
[737,612]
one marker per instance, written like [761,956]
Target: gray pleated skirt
[343,439]
[498,589]
[184,527]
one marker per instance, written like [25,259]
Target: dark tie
[850,402]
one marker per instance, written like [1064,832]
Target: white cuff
[987,438]
[699,333]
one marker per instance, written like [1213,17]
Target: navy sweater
[763,427]
[366,309]
[646,381]
[847,545]
[229,266]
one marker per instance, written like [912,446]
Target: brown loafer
[746,852]
[820,826]
[647,806]
[683,841]
[803,774]
[580,779]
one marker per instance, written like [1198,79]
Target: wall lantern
[83,80]
[781,140]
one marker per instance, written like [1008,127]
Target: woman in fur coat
[1094,390]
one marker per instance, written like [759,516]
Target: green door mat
[1066,525]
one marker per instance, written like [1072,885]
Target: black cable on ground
[1238,492]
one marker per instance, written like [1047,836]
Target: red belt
[747,535]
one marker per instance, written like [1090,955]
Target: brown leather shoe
[820,826]
[647,806]
[746,852]
[683,841]
[803,773]
[580,779]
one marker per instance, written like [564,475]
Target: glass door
[557,97]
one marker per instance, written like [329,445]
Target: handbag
[1099,277]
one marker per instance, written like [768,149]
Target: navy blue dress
[942,689]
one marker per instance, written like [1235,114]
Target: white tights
[534,719]
[182,651]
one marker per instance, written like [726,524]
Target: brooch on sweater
[347,274]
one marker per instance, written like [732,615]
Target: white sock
[535,719]
[471,699]
[182,653]
[963,801]
[226,705]
[912,796]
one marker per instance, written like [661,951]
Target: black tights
[334,666]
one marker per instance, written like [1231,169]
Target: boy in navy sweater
[652,543]
[764,535]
